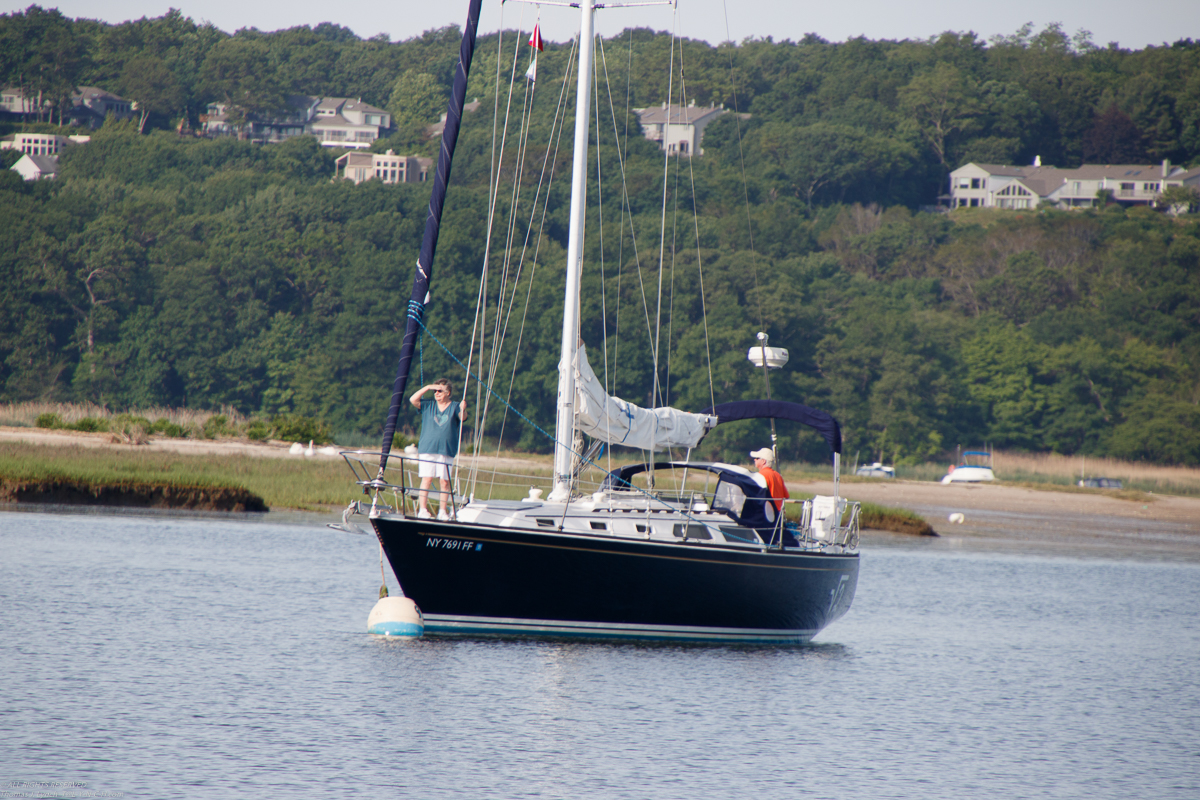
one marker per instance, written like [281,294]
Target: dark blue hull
[474,579]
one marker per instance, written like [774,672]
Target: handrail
[808,535]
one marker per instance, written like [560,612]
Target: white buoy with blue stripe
[395,616]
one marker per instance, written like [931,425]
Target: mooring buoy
[395,616]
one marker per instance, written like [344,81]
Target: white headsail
[613,420]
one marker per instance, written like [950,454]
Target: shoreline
[1165,524]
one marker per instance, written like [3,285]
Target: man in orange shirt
[764,460]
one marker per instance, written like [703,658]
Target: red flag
[536,39]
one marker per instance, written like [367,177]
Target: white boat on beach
[975,467]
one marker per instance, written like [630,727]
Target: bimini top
[819,421]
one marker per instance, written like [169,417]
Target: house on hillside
[40,144]
[678,129]
[1001,186]
[13,100]
[91,105]
[335,121]
[262,128]
[36,167]
[386,167]
[342,122]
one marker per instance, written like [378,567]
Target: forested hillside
[167,270]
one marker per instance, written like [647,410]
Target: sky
[1131,25]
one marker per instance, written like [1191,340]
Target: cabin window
[692,532]
[599,526]
[739,534]
[642,528]
[545,523]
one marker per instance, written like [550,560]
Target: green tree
[148,82]
[241,72]
[1179,199]
[416,99]
[943,103]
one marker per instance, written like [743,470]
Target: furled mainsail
[615,421]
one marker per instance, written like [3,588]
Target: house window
[964,183]
[683,147]
[974,202]
[1078,187]
[976,183]
[1127,187]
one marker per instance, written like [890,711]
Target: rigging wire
[627,210]
[510,277]
[627,206]
[696,228]
[479,323]
[663,225]
[745,185]
[600,226]
[503,142]
[506,270]
[686,513]
[558,123]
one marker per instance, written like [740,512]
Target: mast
[564,429]
[433,222]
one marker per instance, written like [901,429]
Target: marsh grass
[25,415]
[282,483]
[1052,471]
[1065,471]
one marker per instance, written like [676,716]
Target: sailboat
[645,554]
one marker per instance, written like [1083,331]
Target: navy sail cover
[819,421]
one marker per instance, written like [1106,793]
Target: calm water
[170,657]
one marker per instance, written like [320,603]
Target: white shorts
[434,466]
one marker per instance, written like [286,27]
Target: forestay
[615,421]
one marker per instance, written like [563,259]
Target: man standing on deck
[441,420]
[764,459]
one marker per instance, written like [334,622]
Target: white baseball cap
[765,454]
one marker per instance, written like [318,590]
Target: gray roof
[1087,172]
[1005,170]
[47,165]
[95,92]
[347,104]
[355,159]
[680,115]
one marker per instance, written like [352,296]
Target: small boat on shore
[876,470]
[974,467]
